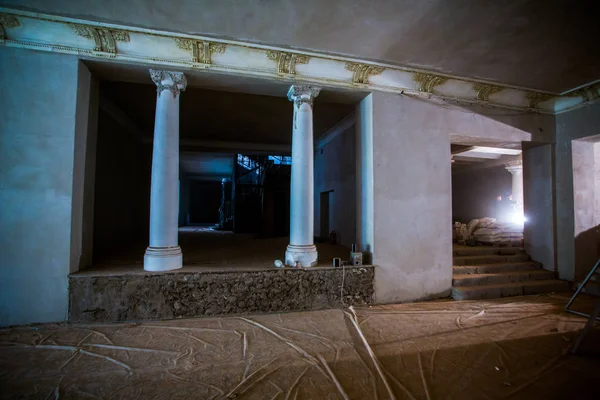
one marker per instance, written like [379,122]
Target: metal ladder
[595,313]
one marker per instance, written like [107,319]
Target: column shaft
[164,194]
[301,250]
[516,170]
[302,185]
[164,253]
[517,187]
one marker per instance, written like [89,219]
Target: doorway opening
[234,169]
[487,194]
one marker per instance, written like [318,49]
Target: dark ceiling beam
[224,146]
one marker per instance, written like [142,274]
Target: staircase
[490,272]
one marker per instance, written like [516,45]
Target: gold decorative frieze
[591,92]
[362,72]
[484,90]
[536,98]
[286,62]
[7,21]
[201,51]
[427,82]
[105,40]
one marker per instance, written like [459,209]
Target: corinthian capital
[175,82]
[514,166]
[303,94]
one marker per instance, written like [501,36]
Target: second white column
[302,251]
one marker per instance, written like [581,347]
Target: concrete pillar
[364,178]
[516,170]
[164,253]
[301,251]
[538,201]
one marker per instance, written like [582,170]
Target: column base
[301,256]
[163,258]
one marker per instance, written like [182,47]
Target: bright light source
[517,218]
[496,150]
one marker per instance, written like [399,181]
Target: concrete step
[496,268]
[509,289]
[592,288]
[485,250]
[501,278]
[490,259]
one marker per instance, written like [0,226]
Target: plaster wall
[538,201]
[412,199]
[597,179]
[335,172]
[474,192]
[577,124]
[586,221]
[476,125]
[42,133]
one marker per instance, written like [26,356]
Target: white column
[302,251]
[164,253]
[516,169]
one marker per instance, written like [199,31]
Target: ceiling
[222,116]
[212,80]
[219,114]
[538,44]
[466,158]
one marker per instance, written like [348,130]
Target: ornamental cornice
[536,98]
[105,40]
[484,90]
[362,72]
[51,33]
[588,93]
[7,21]
[427,82]
[286,62]
[201,50]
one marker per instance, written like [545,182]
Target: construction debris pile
[488,231]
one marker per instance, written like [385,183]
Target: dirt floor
[512,348]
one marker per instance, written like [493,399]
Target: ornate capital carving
[7,21]
[286,62]
[300,94]
[362,72]
[105,40]
[484,90]
[174,82]
[536,98]
[427,82]
[514,166]
[201,51]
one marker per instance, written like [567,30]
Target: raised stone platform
[130,293]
